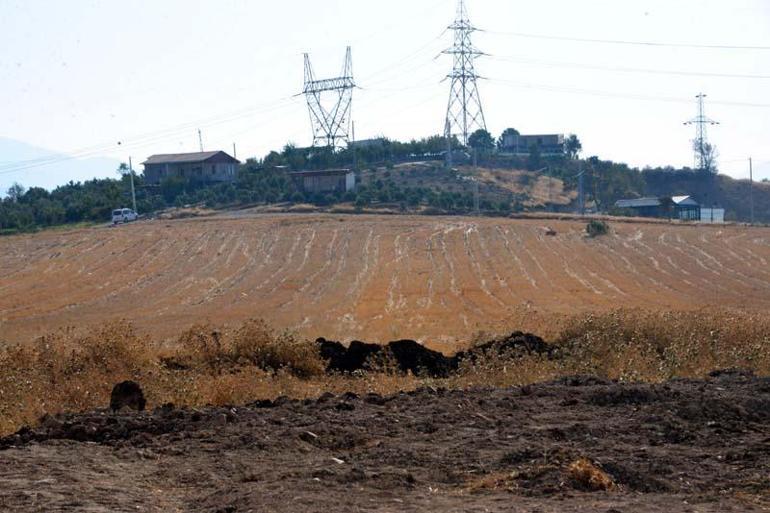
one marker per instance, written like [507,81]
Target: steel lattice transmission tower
[464,113]
[704,152]
[331,123]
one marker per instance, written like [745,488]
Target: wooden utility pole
[131,175]
[355,153]
[751,188]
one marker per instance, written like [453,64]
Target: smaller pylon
[705,153]
[331,126]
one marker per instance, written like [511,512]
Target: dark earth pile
[408,355]
[680,446]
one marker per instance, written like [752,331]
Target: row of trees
[266,181]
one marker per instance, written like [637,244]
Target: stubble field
[435,279]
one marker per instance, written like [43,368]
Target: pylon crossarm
[331,84]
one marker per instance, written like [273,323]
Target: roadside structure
[205,166]
[328,180]
[547,144]
[684,208]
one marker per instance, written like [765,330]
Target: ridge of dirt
[683,445]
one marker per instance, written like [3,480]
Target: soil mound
[411,356]
[515,344]
[127,394]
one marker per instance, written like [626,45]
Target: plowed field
[372,277]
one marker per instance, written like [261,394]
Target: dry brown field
[435,279]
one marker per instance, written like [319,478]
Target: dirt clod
[127,394]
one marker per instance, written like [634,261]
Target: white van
[124,215]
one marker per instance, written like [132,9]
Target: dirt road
[376,278]
[684,446]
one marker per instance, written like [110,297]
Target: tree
[667,205]
[508,132]
[15,192]
[573,146]
[708,157]
[533,160]
[481,140]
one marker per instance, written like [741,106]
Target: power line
[633,43]
[610,94]
[140,140]
[624,69]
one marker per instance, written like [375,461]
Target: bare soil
[438,280]
[684,446]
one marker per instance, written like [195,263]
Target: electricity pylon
[464,112]
[704,152]
[331,125]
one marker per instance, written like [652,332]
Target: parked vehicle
[124,215]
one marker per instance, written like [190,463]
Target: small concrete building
[206,166]
[547,144]
[687,209]
[328,180]
[641,207]
[712,215]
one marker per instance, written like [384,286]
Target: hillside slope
[376,278]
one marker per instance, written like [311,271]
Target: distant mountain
[49,175]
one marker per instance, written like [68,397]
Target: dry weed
[68,371]
[588,476]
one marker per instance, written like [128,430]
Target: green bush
[595,228]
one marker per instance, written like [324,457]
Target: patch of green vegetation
[596,228]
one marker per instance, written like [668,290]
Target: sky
[109,78]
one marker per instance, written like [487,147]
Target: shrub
[595,228]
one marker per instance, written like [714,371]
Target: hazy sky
[78,76]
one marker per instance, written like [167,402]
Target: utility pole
[703,151]
[464,112]
[200,139]
[355,153]
[751,188]
[448,134]
[133,192]
[235,153]
[581,197]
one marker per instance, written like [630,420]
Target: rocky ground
[680,446]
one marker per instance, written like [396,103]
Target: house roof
[322,172]
[183,158]
[638,203]
[684,201]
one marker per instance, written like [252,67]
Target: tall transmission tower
[704,152]
[464,113]
[330,120]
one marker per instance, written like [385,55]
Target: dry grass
[67,371]
[588,476]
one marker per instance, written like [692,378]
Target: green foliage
[573,146]
[506,132]
[534,160]
[596,228]
[481,140]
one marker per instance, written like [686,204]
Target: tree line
[265,181]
